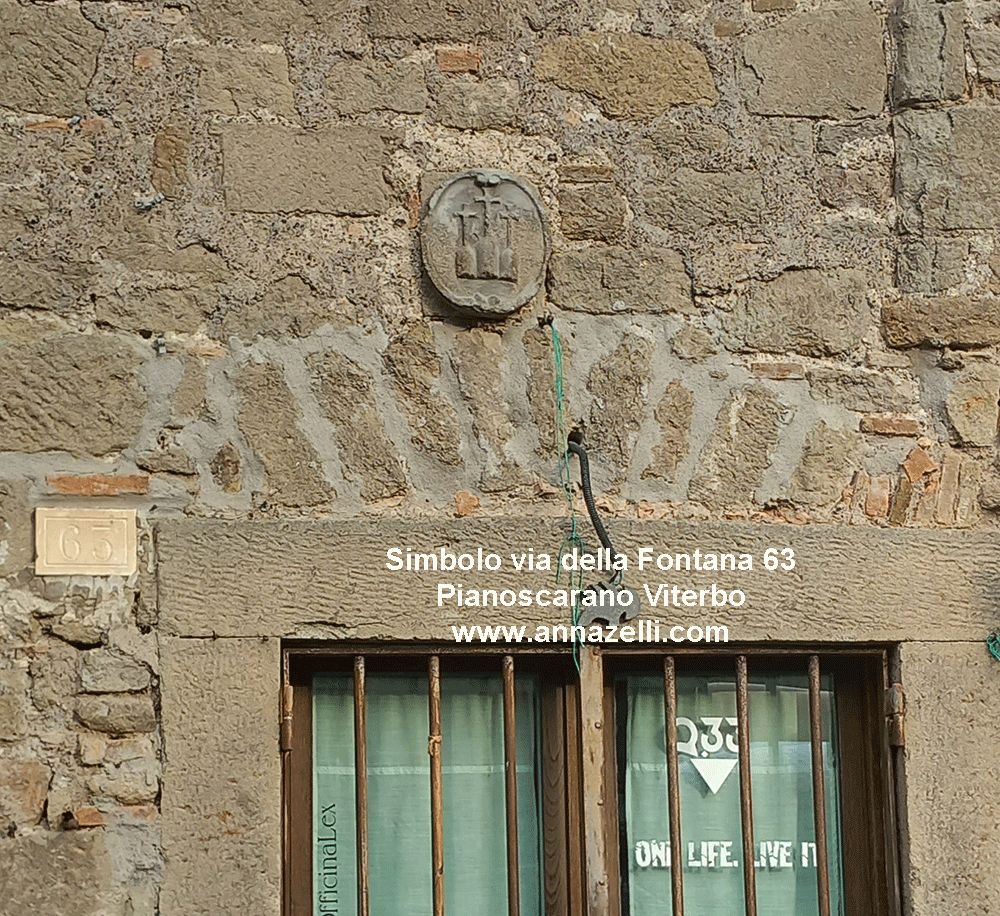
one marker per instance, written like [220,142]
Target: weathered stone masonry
[776,275]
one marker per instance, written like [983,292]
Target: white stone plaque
[85,542]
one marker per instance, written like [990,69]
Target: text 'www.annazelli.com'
[648,631]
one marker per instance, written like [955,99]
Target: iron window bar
[361,781]
[673,785]
[819,789]
[434,742]
[510,786]
[746,787]
[437,784]
[510,770]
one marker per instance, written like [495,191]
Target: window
[421,783]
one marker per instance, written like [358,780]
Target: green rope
[993,644]
[573,539]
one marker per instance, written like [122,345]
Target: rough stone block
[238,81]
[439,20]
[693,344]
[355,87]
[415,367]
[673,414]
[538,347]
[367,455]
[272,169]
[167,460]
[829,459]
[105,671]
[890,426]
[629,75]
[796,67]
[48,55]
[985,46]
[812,312]
[117,715]
[930,51]
[467,105]
[843,188]
[14,703]
[88,816]
[871,134]
[605,280]
[930,265]
[140,240]
[65,872]
[269,419]
[19,209]
[57,286]
[221,797]
[946,167]
[147,58]
[690,201]
[155,311]
[96,749]
[289,308]
[55,679]
[618,383]
[478,357]
[459,60]
[24,786]
[954,321]
[225,468]
[779,371]
[91,748]
[133,782]
[733,461]
[973,404]
[861,390]
[17,539]
[20,214]
[300,580]
[594,211]
[952,732]
[67,391]
[586,173]
[171,149]
[189,395]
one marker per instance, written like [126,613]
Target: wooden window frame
[558,703]
[580,818]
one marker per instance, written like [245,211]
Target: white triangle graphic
[714,772]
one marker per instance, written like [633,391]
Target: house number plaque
[485,242]
[87,542]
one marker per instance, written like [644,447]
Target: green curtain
[781,769]
[399,796]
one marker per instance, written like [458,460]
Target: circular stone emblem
[485,242]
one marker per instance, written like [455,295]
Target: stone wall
[775,272]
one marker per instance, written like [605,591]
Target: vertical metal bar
[437,789]
[361,780]
[819,789]
[746,792]
[593,785]
[673,785]
[510,774]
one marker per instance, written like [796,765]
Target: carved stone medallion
[485,242]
